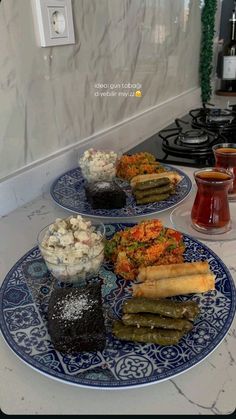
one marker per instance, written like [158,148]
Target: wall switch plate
[53,22]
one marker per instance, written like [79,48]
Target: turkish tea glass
[210,212]
[225,157]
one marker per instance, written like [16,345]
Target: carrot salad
[137,164]
[147,243]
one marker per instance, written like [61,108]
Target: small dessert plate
[181,220]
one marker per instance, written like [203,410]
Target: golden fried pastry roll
[169,287]
[174,177]
[150,184]
[152,273]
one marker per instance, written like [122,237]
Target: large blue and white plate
[68,191]
[24,299]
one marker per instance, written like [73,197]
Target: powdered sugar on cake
[103,185]
[73,307]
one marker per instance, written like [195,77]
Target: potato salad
[73,247]
[98,165]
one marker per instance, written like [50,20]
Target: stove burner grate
[193,137]
[214,119]
[219,115]
[194,144]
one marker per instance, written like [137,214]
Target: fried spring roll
[174,177]
[168,308]
[150,184]
[152,273]
[154,320]
[152,198]
[169,287]
[146,335]
[153,191]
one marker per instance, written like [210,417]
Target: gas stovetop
[188,141]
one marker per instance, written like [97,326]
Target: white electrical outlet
[57,22]
[53,22]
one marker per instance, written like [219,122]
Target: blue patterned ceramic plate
[24,299]
[68,192]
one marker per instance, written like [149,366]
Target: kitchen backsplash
[51,98]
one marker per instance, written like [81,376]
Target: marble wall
[54,97]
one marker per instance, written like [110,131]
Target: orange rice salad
[147,243]
[137,164]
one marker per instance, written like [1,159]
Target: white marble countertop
[207,388]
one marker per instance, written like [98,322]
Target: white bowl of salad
[73,248]
[98,165]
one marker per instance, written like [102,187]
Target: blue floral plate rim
[225,287]
[67,191]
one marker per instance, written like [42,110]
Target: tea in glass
[210,211]
[225,157]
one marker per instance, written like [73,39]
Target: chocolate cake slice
[75,319]
[105,195]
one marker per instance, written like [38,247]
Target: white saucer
[181,220]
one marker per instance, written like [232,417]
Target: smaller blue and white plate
[24,297]
[68,192]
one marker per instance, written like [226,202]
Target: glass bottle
[228,82]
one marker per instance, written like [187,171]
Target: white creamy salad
[72,248]
[98,165]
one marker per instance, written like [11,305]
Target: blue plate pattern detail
[24,297]
[68,192]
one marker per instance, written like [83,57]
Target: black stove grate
[188,141]
[222,121]
[192,144]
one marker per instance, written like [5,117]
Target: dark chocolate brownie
[105,195]
[75,319]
